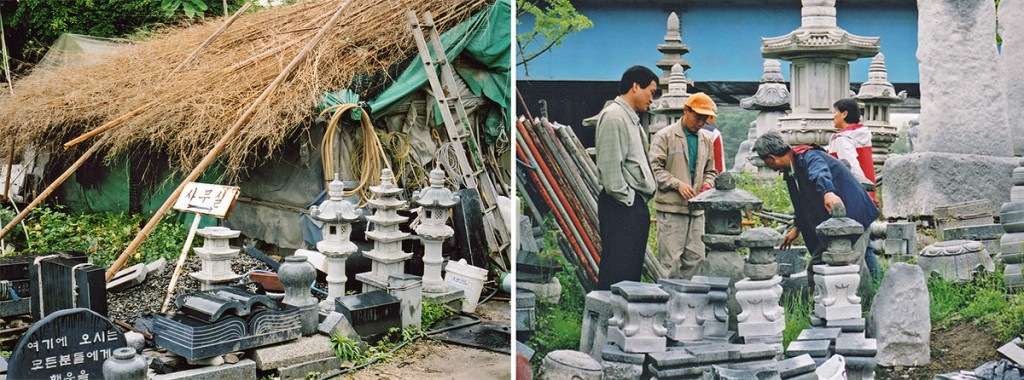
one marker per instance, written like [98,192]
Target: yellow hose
[372,154]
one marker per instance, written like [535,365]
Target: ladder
[473,172]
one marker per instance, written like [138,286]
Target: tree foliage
[42,21]
[551,25]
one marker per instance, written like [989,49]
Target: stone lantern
[877,94]
[216,256]
[723,208]
[436,201]
[761,319]
[382,227]
[337,215]
[836,281]
[819,53]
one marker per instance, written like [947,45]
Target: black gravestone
[66,281]
[69,343]
[371,313]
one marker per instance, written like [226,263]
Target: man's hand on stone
[789,237]
[686,191]
[831,199]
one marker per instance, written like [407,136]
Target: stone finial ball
[725,181]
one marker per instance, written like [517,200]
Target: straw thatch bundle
[195,106]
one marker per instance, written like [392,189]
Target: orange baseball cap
[701,103]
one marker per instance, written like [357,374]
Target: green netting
[486,38]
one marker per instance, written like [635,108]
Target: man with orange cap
[682,159]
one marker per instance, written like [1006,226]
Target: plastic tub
[460,275]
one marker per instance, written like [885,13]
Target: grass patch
[558,326]
[983,302]
[798,313]
[103,236]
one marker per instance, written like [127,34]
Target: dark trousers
[624,232]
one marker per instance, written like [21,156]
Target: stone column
[876,95]
[1011,244]
[387,255]
[761,319]
[1011,29]
[819,53]
[638,322]
[963,108]
[435,201]
[337,216]
[686,309]
[836,281]
[216,256]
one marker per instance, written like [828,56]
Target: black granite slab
[195,339]
[371,313]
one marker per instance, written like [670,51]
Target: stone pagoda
[669,108]
[436,201]
[772,102]
[877,94]
[216,256]
[673,49]
[819,53]
[387,255]
[337,216]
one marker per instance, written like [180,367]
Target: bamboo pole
[220,145]
[53,186]
[10,168]
[109,124]
[217,33]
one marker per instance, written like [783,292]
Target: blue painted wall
[724,41]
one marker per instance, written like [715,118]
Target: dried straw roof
[199,103]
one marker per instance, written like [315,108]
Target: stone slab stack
[694,361]
[970,220]
[799,367]
[859,353]
[901,240]
[1011,244]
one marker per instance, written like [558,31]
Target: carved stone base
[760,313]
[835,292]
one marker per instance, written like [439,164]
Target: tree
[551,25]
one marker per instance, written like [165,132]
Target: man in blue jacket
[816,182]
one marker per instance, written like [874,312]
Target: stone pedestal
[216,257]
[568,364]
[761,314]
[409,291]
[716,314]
[597,311]
[685,309]
[638,320]
[337,216]
[835,292]
[387,256]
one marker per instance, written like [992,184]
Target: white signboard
[207,199]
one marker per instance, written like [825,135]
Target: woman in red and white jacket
[852,143]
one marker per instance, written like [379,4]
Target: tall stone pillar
[964,148]
[1011,29]
[819,53]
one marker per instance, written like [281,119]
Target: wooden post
[181,262]
[219,146]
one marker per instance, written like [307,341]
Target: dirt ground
[961,346]
[429,359]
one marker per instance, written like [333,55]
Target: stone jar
[125,364]
[296,273]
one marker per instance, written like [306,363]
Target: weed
[798,313]
[345,349]
[434,312]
